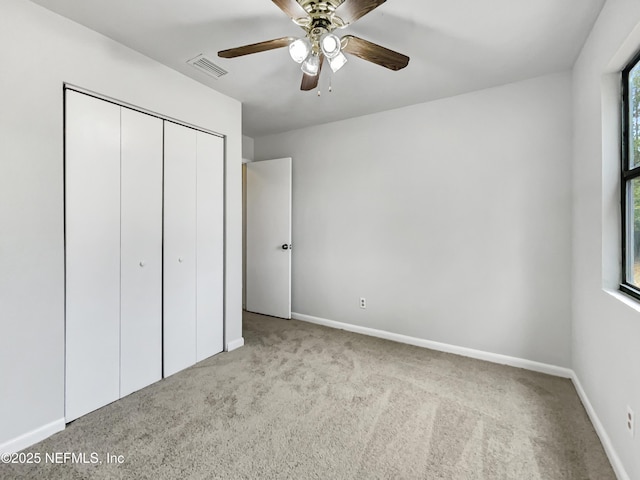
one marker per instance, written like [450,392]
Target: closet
[144,249]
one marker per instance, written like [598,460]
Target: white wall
[606,326]
[40,51]
[247,148]
[452,218]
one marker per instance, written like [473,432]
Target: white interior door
[92,244]
[210,246]
[268,210]
[179,341]
[141,251]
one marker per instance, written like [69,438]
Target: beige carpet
[306,402]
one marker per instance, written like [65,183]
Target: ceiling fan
[319,19]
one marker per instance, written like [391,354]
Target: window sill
[628,300]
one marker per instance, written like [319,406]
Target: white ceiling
[456,46]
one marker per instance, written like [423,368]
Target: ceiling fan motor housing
[320,15]
[327,6]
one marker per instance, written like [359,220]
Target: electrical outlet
[363,302]
[630,421]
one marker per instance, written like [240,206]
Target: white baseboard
[32,437]
[234,344]
[618,468]
[441,347]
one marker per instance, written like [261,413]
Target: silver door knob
[179,259]
[142,264]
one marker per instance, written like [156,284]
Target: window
[631,178]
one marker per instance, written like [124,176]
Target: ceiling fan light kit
[337,62]
[311,66]
[319,19]
[330,45]
[300,49]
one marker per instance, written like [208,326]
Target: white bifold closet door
[113,221]
[210,245]
[141,251]
[92,233]
[179,248]
[193,248]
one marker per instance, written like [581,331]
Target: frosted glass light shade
[337,62]
[300,49]
[311,65]
[330,45]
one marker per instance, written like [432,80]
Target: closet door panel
[141,257]
[210,234]
[92,244]
[179,248]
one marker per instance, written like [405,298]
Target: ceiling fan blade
[310,82]
[374,53]
[291,8]
[256,47]
[352,10]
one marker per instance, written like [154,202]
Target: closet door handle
[142,264]
[180,260]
